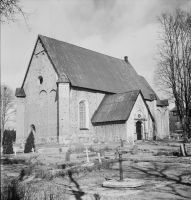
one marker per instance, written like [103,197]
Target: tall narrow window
[82,114]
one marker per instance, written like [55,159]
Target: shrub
[30,143]
[7,143]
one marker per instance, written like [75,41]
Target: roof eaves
[20,93]
[29,63]
[147,107]
[127,117]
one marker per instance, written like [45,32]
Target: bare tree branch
[7,106]
[173,72]
[9,9]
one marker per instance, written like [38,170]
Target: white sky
[114,27]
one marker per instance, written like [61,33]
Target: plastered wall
[64,111]
[20,116]
[41,98]
[93,99]
[161,116]
[40,105]
[139,113]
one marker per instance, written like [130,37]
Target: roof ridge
[83,48]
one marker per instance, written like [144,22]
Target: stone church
[72,94]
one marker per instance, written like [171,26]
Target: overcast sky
[114,27]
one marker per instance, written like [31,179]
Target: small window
[40,80]
[83,115]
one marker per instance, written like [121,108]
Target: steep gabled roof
[116,107]
[88,69]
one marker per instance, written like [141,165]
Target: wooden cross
[87,151]
[120,164]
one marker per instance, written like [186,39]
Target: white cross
[15,150]
[32,150]
[86,151]
[99,157]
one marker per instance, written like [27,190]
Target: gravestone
[185,149]
[121,142]
[99,157]
[135,150]
[182,153]
[67,156]
[102,153]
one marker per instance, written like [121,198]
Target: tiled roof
[89,69]
[115,107]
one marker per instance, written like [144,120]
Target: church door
[138,130]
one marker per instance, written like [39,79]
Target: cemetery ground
[47,175]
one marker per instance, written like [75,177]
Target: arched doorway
[139,130]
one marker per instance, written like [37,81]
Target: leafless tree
[7,106]
[9,9]
[173,72]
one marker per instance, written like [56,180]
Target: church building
[72,94]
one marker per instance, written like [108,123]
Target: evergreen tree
[7,143]
[30,143]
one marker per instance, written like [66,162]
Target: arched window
[83,115]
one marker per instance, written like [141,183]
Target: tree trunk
[2,130]
[184,128]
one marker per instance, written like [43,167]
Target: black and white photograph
[95,99]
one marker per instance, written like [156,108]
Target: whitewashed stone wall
[40,104]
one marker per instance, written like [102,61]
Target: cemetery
[102,171]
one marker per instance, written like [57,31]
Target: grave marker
[135,150]
[122,183]
[87,151]
[99,157]
[185,149]
[182,153]
[121,142]
[67,156]
[102,153]
[120,165]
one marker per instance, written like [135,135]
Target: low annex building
[73,94]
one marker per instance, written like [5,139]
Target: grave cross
[120,164]
[15,150]
[87,151]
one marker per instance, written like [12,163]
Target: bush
[7,143]
[30,143]
[9,134]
